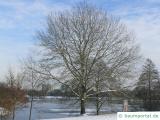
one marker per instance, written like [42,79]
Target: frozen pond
[60,108]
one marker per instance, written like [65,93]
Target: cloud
[11,52]
[21,11]
[19,21]
[145,22]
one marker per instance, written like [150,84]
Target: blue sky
[20,19]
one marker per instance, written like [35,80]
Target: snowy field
[100,117]
[58,108]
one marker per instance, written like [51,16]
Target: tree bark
[97,97]
[150,99]
[30,113]
[83,111]
[13,113]
[97,104]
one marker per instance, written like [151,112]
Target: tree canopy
[76,40]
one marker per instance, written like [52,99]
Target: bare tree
[45,88]
[33,79]
[148,84]
[15,79]
[77,39]
[15,82]
[103,82]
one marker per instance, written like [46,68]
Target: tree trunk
[97,94]
[30,113]
[1,116]
[97,110]
[83,106]
[83,93]
[97,104]
[150,99]
[13,113]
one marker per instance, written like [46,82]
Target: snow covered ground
[57,108]
[100,117]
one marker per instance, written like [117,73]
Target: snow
[85,117]
[3,111]
[91,110]
[57,108]
[59,97]
[49,97]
